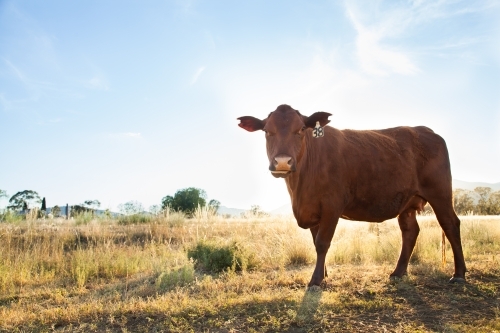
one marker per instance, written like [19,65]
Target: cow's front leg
[314,232]
[322,241]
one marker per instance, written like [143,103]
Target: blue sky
[129,100]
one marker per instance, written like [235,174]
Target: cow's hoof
[314,289]
[396,278]
[458,280]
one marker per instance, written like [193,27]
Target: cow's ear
[251,124]
[322,117]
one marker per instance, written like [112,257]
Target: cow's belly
[379,193]
[377,209]
[382,215]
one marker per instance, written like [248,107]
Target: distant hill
[283,210]
[223,210]
[472,185]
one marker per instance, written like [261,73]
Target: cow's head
[285,129]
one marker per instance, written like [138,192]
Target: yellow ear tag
[318,131]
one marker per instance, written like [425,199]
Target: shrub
[134,219]
[215,258]
[10,216]
[176,219]
[170,217]
[83,218]
[176,278]
[83,267]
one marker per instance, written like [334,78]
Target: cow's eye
[299,133]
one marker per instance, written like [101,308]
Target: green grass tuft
[134,219]
[215,258]
[176,278]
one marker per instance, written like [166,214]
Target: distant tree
[44,205]
[154,209]
[76,210]
[92,204]
[55,211]
[427,210]
[482,203]
[167,201]
[214,204]
[493,204]
[463,201]
[3,194]
[255,211]
[24,200]
[131,208]
[185,200]
[88,206]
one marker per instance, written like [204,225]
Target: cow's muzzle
[281,166]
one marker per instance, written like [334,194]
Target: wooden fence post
[443,249]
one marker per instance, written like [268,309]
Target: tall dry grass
[62,252]
[106,272]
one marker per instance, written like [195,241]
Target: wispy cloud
[36,88]
[424,10]
[7,104]
[461,42]
[197,75]
[382,28]
[15,70]
[375,56]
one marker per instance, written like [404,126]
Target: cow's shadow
[417,297]
[309,305]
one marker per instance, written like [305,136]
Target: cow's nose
[282,162]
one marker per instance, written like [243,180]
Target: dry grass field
[135,275]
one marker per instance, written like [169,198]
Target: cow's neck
[307,166]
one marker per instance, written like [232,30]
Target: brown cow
[368,176]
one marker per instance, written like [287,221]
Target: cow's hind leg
[450,224]
[409,230]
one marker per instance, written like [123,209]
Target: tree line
[185,200]
[480,201]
